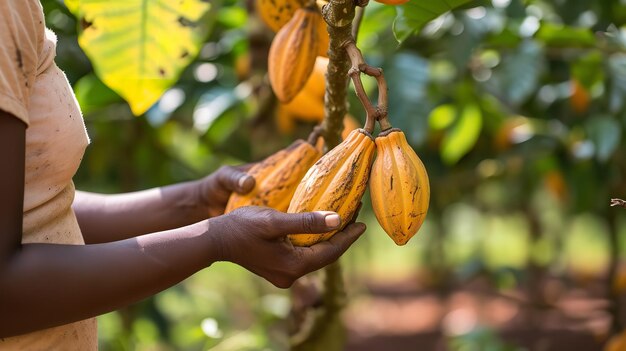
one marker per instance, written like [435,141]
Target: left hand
[215,189]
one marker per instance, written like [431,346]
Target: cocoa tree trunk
[322,328]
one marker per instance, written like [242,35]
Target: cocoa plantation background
[516,108]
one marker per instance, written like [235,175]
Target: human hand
[215,189]
[256,239]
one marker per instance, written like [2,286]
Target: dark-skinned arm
[45,285]
[148,211]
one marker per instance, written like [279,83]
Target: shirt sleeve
[21,36]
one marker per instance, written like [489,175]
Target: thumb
[306,222]
[235,180]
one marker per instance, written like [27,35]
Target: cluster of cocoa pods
[300,38]
[299,179]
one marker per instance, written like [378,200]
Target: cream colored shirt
[35,90]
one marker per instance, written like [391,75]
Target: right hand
[215,189]
[256,239]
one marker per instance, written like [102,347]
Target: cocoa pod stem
[378,113]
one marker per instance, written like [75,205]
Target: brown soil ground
[400,315]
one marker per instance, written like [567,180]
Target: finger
[232,179]
[245,167]
[327,252]
[306,222]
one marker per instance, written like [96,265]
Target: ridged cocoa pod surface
[323,35]
[292,54]
[276,13]
[399,187]
[308,104]
[335,183]
[277,177]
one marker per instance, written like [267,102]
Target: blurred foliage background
[515,107]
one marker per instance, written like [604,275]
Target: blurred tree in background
[517,109]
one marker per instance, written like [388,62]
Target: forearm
[44,285]
[106,218]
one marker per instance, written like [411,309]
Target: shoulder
[22,35]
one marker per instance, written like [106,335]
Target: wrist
[216,238]
[201,188]
[188,202]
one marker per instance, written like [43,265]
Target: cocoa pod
[276,13]
[399,187]
[349,124]
[323,35]
[335,183]
[292,54]
[308,105]
[617,342]
[277,177]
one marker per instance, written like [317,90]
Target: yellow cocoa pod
[616,343]
[324,37]
[399,187]
[285,122]
[335,183]
[277,177]
[308,105]
[316,85]
[292,54]
[276,13]
[349,124]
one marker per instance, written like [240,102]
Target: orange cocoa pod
[276,13]
[292,54]
[399,187]
[616,343]
[277,177]
[349,124]
[308,105]
[324,37]
[335,183]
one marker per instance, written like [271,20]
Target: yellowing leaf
[72,5]
[139,47]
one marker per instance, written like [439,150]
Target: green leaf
[139,47]
[463,135]
[507,38]
[442,116]
[589,69]
[407,76]
[233,17]
[563,36]
[517,78]
[92,94]
[215,103]
[415,14]
[605,132]
[617,72]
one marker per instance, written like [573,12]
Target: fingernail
[332,221]
[242,181]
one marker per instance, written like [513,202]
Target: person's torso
[55,143]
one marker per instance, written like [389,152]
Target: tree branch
[359,66]
[618,203]
[338,15]
[356,24]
